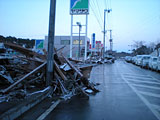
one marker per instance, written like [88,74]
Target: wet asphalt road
[127,93]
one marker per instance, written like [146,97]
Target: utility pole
[104,33]
[108,11]
[51,35]
[111,41]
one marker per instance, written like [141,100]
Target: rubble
[25,75]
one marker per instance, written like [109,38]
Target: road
[128,92]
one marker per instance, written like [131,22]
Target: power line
[99,11]
[95,16]
[95,8]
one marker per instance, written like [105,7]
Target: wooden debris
[19,81]
[73,67]
[59,71]
[25,51]
[30,70]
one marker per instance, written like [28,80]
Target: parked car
[145,61]
[128,59]
[134,59]
[139,59]
[158,63]
[153,63]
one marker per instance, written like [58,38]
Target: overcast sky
[130,20]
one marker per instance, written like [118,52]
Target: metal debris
[25,75]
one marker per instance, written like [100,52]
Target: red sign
[98,42]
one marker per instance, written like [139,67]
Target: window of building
[65,42]
[76,42]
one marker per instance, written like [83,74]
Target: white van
[158,63]
[145,61]
[138,59]
[153,64]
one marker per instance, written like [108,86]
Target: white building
[61,41]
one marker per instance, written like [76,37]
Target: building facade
[61,41]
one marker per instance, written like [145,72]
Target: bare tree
[152,46]
[138,44]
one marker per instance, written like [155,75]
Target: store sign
[93,40]
[79,7]
[39,44]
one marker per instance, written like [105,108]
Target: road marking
[150,94]
[44,115]
[144,81]
[155,78]
[156,107]
[144,75]
[156,113]
[146,86]
[136,75]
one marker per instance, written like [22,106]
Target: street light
[108,11]
[80,26]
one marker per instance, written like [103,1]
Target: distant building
[98,47]
[61,41]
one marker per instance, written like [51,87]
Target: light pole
[80,26]
[108,11]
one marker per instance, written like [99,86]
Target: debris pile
[94,59]
[25,75]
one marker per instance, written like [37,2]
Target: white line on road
[137,75]
[146,86]
[150,94]
[143,75]
[143,99]
[155,78]
[150,82]
[156,107]
[44,115]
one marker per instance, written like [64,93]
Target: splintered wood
[30,73]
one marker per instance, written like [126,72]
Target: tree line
[141,48]
[28,43]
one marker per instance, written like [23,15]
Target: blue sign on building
[39,44]
[93,40]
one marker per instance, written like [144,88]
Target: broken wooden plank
[64,91]
[25,51]
[55,53]
[86,70]
[5,74]
[73,67]
[7,77]
[23,78]
[59,71]
[76,61]
[60,49]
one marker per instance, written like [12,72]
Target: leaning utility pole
[51,34]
